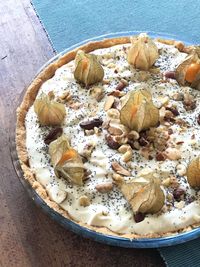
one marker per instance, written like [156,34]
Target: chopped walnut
[51,94]
[160,156]
[173,153]
[178,96]
[104,188]
[124,148]
[112,142]
[66,97]
[97,131]
[117,93]
[89,132]
[106,81]
[119,169]
[189,102]
[181,169]
[121,139]
[117,178]
[171,182]
[113,113]
[84,201]
[76,105]
[97,93]
[133,135]
[87,150]
[111,65]
[115,131]
[121,85]
[180,205]
[109,102]
[159,137]
[145,152]
[127,156]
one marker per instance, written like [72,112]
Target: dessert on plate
[109,135]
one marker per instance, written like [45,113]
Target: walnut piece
[127,156]
[104,188]
[84,201]
[119,169]
[97,93]
[109,102]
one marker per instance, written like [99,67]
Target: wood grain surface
[28,237]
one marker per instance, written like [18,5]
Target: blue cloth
[70,21]
[184,255]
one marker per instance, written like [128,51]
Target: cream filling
[112,210]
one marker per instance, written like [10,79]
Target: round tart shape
[110,154]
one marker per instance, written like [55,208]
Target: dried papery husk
[144,194]
[143,52]
[138,111]
[193,173]
[197,50]
[181,70]
[71,170]
[193,49]
[57,148]
[49,111]
[66,161]
[87,69]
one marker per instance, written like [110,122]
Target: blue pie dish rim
[73,226]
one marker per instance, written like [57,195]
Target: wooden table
[28,237]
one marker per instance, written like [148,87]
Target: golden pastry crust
[27,102]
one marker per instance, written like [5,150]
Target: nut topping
[117,93]
[104,188]
[173,110]
[124,148]
[170,75]
[142,141]
[89,125]
[178,193]
[111,142]
[65,97]
[127,156]
[84,201]
[115,131]
[53,135]
[160,156]
[119,169]
[121,85]
[87,151]
[109,102]
[173,153]
[97,93]
[178,97]
[189,103]
[113,113]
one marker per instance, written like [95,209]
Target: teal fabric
[184,255]
[70,21]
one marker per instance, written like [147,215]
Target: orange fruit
[69,154]
[191,72]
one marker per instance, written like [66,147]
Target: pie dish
[149,155]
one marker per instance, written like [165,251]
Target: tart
[108,136]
